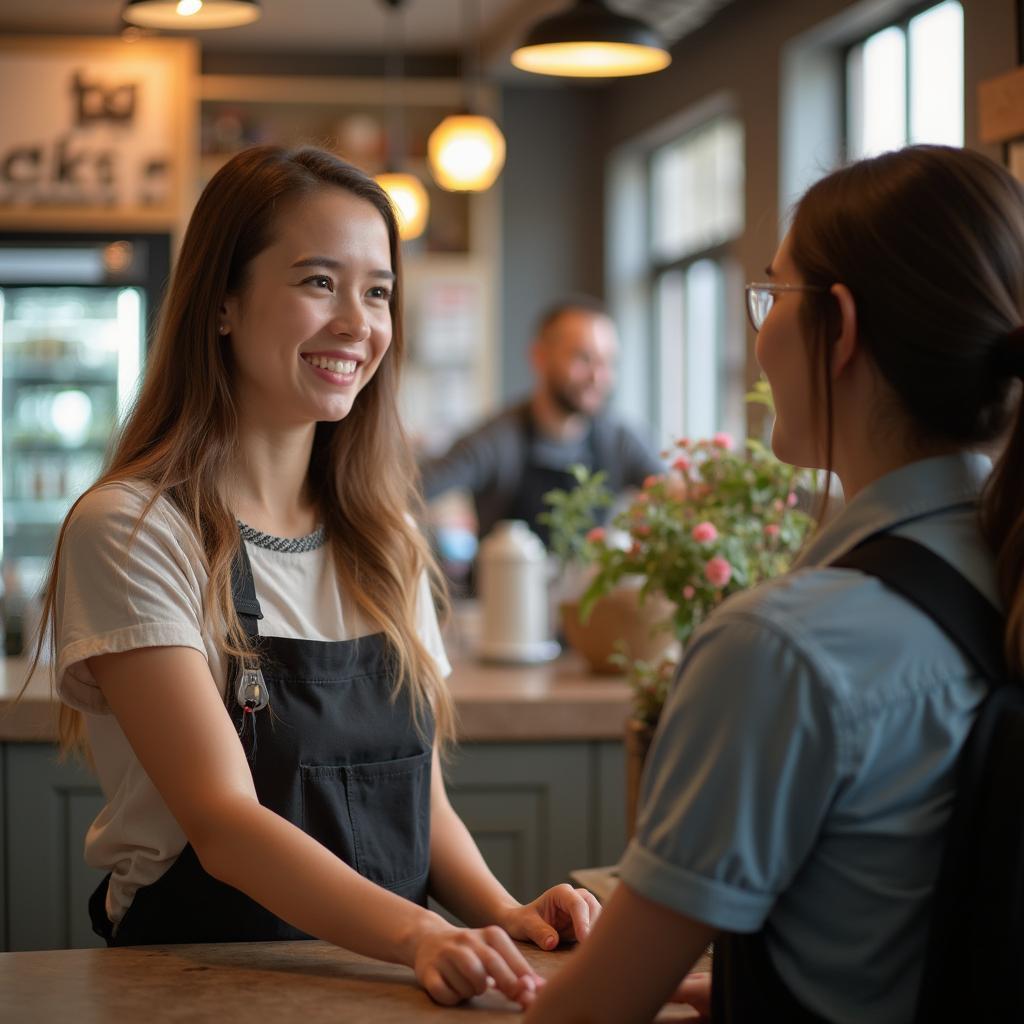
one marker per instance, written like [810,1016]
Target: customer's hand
[560,914]
[454,964]
[695,991]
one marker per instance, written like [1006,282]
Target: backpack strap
[928,581]
[972,969]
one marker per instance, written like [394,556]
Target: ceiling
[430,26]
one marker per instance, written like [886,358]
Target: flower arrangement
[721,518]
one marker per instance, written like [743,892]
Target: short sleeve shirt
[801,778]
[124,585]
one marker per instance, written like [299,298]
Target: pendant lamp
[406,191]
[467,150]
[410,200]
[191,14]
[591,41]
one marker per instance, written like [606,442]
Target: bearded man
[509,463]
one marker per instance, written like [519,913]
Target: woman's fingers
[574,905]
[475,959]
[499,939]
[438,989]
[463,972]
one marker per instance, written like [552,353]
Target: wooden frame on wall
[102,134]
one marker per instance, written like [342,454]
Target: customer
[242,616]
[797,796]
[514,459]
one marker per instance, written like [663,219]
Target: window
[696,209]
[677,205]
[905,83]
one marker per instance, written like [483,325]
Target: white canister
[512,569]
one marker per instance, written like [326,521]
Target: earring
[223,328]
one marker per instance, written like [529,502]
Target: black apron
[334,754]
[537,478]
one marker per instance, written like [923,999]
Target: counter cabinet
[537,809]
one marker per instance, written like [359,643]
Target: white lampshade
[466,153]
[411,202]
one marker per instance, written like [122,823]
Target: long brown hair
[930,242]
[182,435]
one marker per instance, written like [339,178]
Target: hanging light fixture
[191,14]
[410,199]
[467,150]
[406,191]
[591,41]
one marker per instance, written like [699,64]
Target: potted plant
[722,517]
[617,621]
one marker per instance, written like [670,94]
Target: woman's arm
[627,969]
[461,881]
[173,715]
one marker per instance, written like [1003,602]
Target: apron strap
[243,591]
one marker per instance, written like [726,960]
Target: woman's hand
[695,991]
[454,964]
[560,914]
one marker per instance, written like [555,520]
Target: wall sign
[100,133]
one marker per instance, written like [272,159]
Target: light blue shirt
[801,778]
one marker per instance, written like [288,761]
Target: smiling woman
[308,332]
[242,612]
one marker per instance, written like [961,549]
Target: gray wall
[552,219]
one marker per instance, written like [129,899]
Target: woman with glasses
[796,799]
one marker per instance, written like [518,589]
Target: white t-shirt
[118,593]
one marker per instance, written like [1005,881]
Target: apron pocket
[375,817]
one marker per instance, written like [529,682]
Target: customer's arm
[470,464]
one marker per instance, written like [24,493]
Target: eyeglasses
[761,298]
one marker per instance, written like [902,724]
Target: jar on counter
[513,589]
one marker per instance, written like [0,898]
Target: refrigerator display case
[74,316]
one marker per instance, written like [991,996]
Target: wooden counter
[560,700]
[238,983]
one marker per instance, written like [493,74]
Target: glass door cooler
[73,323]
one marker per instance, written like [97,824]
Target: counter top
[237,983]
[559,700]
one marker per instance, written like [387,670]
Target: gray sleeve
[467,465]
[470,464]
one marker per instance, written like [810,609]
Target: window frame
[906,16]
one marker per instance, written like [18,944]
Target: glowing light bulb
[186,8]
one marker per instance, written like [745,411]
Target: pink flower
[688,592]
[791,499]
[641,530]
[596,535]
[718,571]
[683,442]
[722,440]
[771,530]
[704,533]
[778,505]
[682,463]
[652,481]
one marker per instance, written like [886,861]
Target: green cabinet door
[539,810]
[48,807]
